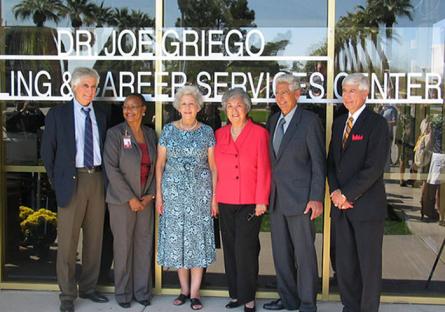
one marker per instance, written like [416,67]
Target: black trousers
[241,249]
[359,263]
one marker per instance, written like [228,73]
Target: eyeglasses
[131,107]
[250,216]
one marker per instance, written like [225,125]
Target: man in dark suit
[356,162]
[298,161]
[71,150]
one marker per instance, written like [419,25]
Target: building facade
[154,47]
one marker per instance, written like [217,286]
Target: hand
[215,209]
[135,205]
[260,209]
[159,205]
[316,207]
[337,198]
[147,199]
[346,205]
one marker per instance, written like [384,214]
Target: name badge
[127,141]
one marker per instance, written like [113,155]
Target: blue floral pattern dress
[186,238]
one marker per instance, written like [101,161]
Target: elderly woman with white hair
[242,193]
[185,184]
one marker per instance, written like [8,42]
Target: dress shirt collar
[79,106]
[287,118]
[356,114]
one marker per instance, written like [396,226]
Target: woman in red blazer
[242,193]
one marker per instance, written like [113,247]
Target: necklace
[235,132]
[188,128]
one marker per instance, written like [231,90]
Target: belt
[90,170]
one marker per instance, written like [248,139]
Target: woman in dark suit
[242,193]
[129,157]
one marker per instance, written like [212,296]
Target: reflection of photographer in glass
[389,112]
[405,140]
[431,191]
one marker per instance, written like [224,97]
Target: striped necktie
[347,131]
[279,133]
[88,152]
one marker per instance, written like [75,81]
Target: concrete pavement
[37,301]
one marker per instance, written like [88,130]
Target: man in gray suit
[298,161]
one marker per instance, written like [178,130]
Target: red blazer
[243,166]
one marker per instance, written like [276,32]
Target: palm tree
[101,15]
[79,11]
[39,10]
[387,11]
[123,18]
[140,19]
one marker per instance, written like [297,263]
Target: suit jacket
[243,166]
[299,169]
[58,149]
[123,165]
[357,170]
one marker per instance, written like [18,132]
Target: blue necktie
[88,152]
[279,133]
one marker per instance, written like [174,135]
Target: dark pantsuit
[133,252]
[295,260]
[241,250]
[359,263]
[85,210]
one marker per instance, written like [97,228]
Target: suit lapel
[68,116]
[338,136]
[227,145]
[101,124]
[290,131]
[243,135]
[273,125]
[151,151]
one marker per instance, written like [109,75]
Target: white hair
[236,93]
[80,72]
[357,79]
[188,90]
[294,83]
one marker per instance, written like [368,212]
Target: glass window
[112,36]
[252,41]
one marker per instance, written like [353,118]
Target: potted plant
[39,229]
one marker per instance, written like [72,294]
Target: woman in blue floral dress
[186,179]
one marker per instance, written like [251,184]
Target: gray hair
[236,93]
[357,79]
[294,83]
[81,72]
[188,90]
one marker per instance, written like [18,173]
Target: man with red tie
[356,162]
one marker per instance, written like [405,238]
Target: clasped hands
[340,201]
[137,205]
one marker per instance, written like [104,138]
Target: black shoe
[232,304]
[66,306]
[145,302]
[124,305]
[247,309]
[274,305]
[94,296]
